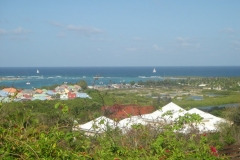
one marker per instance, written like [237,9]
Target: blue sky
[119,33]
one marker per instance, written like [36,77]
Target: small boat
[37,71]
[154,70]
[27,83]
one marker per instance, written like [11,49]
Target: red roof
[10,90]
[27,96]
[71,95]
[124,111]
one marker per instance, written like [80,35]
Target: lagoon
[207,108]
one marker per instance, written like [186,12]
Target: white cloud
[131,49]
[61,35]
[17,38]
[186,42]
[227,30]
[157,48]
[137,39]
[236,44]
[100,39]
[84,30]
[2,31]
[182,42]
[56,24]
[20,30]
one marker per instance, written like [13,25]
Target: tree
[132,83]
[83,84]
[232,113]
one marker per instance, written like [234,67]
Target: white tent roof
[171,107]
[175,115]
[158,115]
[99,124]
[153,116]
[208,118]
[128,122]
[206,128]
[201,113]
[202,127]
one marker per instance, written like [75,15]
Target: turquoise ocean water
[35,77]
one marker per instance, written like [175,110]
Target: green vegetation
[43,129]
[210,101]
[83,84]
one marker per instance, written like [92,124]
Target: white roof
[201,113]
[98,125]
[174,116]
[128,122]
[207,117]
[153,116]
[175,110]
[202,127]
[171,107]
[208,123]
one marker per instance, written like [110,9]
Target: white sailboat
[154,70]
[37,71]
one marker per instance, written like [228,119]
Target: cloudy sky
[119,33]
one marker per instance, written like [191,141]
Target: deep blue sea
[47,76]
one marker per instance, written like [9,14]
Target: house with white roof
[64,96]
[5,99]
[3,93]
[82,95]
[62,89]
[202,85]
[51,92]
[42,96]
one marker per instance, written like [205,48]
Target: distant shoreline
[10,78]
[31,78]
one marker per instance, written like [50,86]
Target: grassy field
[145,96]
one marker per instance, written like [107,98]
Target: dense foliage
[43,130]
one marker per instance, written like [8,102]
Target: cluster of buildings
[168,114]
[63,92]
[116,86]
